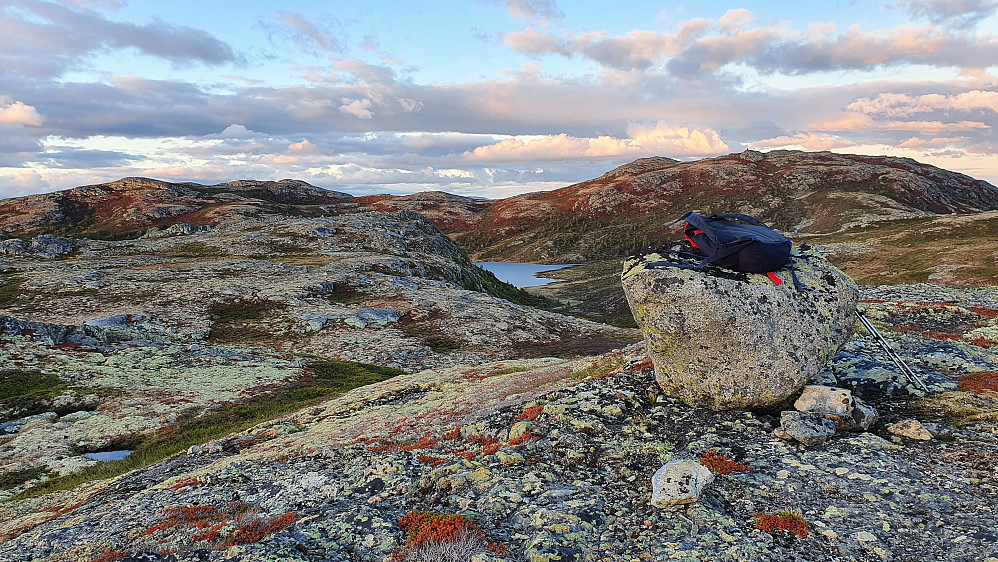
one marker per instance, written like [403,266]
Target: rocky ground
[553,460]
[112,340]
[541,430]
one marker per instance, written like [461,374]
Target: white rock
[818,399]
[678,483]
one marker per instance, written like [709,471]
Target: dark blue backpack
[735,241]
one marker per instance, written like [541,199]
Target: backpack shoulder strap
[744,218]
[698,222]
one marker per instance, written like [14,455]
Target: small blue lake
[521,274]
[108,455]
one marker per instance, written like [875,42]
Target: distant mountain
[883,219]
[129,206]
[624,210]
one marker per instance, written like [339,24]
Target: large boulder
[725,339]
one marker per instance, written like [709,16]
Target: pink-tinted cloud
[900,105]
[807,141]
[660,139]
[934,127]
[18,113]
[698,46]
[916,142]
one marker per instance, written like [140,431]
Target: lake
[521,274]
[108,455]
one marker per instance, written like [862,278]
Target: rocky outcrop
[46,245]
[734,340]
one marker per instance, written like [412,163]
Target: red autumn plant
[531,414]
[721,464]
[784,522]
[979,382]
[439,537]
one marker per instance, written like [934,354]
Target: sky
[487,98]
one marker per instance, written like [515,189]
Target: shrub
[783,523]
[721,464]
[438,537]
[980,381]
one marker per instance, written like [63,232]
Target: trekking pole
[906,371]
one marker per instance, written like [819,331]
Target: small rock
[911,429]
[195,450]
[808,429]
[77,416]
[678,483]
[818,399]
[864,415]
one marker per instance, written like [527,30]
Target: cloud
[900,105]
[955,13]
[45,39]
[915,142]
[359,108]
[70,157]
[661,139]
[539,10]
[806,141]
[934,127]
[306,34]
[702,46]
[18,182]
[735,20]
[536,43]
[236,131]
[15,112]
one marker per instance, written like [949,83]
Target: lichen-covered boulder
[724,339]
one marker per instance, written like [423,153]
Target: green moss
[326,378]
[16,384]
[10,288]
[238,321]
[9,480]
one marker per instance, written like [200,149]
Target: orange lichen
[255,530]
[785,522]
[531,413]
[983,312]
[980,381]
[244,525]
[184,482]
[432,461]
[523,438]
[453,434]
[721,464]
[110,556]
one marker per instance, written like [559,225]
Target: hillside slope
[809,194]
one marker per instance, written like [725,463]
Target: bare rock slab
[727,340]
[912,429]
[679,483]
[808,429]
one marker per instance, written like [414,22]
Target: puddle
[108,455]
